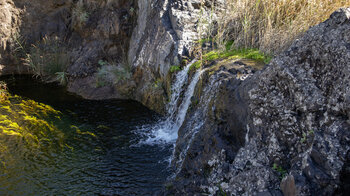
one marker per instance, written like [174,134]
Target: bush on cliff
[48,59]
[110,74]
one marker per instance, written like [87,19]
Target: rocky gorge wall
[141,38]
[282,129]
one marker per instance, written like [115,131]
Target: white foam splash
[166,131]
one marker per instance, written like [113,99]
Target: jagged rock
[293,118]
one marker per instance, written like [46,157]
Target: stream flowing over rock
[283,129]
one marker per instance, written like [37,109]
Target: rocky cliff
[137,40]
[281,130]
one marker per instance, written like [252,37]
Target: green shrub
[79,15]
[110,74]
[282,172]
[61,77]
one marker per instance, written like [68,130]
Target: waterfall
[195,122]
[166,131]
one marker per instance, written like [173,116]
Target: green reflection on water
[32,137]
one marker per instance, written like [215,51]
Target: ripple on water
[94,153]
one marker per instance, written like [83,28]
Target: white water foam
[166,131]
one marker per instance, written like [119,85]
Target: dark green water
[108,161]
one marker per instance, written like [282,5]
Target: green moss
[158,84]
[196,65]
[229,53]
[175,68]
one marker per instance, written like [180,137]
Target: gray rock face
[290,121]
[165,32]
[9,24]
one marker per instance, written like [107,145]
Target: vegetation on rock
[79,15]
[48,59]
[232,53]
[110,74]
[3,91]
[271,26]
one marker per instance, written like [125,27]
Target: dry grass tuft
[272,25]
[3,92]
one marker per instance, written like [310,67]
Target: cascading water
[166,131]
[194,125]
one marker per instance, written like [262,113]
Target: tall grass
[271,25]
[48,59]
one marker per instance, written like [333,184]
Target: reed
[271,25]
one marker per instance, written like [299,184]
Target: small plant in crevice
[132,11]
[221,192]
[102,62]
[79,15]
[61,77]
[306,135]
[48,59]
[282,172]
[158,84]
[169,186]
